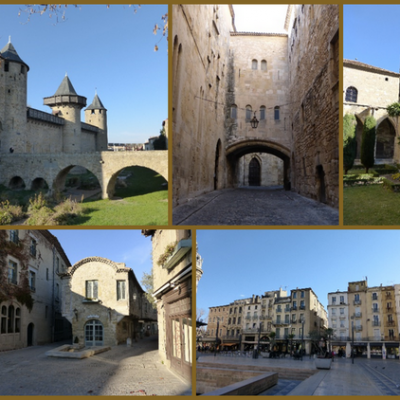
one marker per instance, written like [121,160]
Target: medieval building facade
[172,283]
[105,303]
[30,289]
[26,130]
[368,90]
[223,78]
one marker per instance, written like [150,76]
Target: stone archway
[385,140]
[38,184]
[16,182]
[246,146]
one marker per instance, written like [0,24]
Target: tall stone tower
[96,114]
[67,104]
[13,99]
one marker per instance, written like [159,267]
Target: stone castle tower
[27,130]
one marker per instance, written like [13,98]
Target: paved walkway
[254,206]
[136,370]
[373,377]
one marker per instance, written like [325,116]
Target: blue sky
[240,263]
[119,245]
[371,35]
[111,49]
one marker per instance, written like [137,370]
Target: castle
[26,130]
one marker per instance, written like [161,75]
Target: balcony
[255,317]
[357,315]
[302,307]
[263,307]
[247,317]
[389,308]
[279,309]
[376,323]
[342,317]
[389,323]
[342,303]
[374,297]
[388,295]
[375,309]
[358,328]
[294,308]
[357,302]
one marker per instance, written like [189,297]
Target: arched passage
[135,181]
[243,147]
[82,180]
[254,172]
[385,140]
[39,184]
[16,182]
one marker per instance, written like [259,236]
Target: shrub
[37,202]
[349,141]
[10,213]
[368,143]
[42,216]
[66,211]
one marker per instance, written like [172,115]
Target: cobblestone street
[254,206]
[137,370]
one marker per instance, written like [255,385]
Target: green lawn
[370,205]
[143,202]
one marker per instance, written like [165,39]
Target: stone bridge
[53,168]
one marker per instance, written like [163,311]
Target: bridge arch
[59,180]
[242,147]
[39,184]
[16,182]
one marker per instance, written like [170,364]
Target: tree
[368,143]
[147,282]
[329,335]
[161,142]
[394,112]
[349,141]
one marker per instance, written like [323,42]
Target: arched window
[3,319]
[233,111]
[248,113]
[276,113]
[254,64]
[18,320]
[263,65]
[262,113]
[351,94]
[10,328]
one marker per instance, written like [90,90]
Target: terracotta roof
[367,67]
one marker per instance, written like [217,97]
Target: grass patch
[144,201]
[370,205]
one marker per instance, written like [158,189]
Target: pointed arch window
[263,65]
[254,64]
[351,94]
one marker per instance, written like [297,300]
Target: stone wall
[313,52]
[271,169]
[200,68]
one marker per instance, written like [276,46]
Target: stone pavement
[254,206]
[136,370]
[373,377]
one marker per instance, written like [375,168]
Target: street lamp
[255,352]
[254,121]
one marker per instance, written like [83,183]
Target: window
[342,311]
[230,311]
[374,296]
[262,113]
[276,113]
[351,95]
[32,280]
[3,320]
[333,300]
[14,236]
[47,274]
[254,64]
[18,320]
[32,249]
[287,319]
[239,320]
[12,272]
[302,305]
[57,265]
[234,320]
[240,310]
[375,307]
[120,290]
[278,333]
[295,305]
[248,113]
[286,332]
[333,311]
[234,111]
[57,291]
[92,290]
[10,328]
[294,317]
[229,321]
[6,66]
[278,319]
[341,299]
[255,307]
[263,65]
[302,294]
[295,295]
